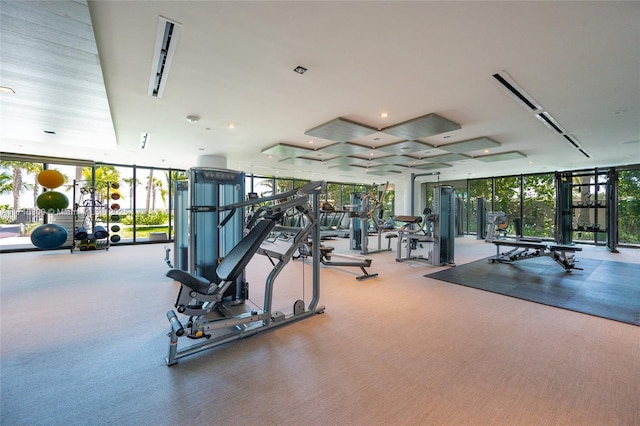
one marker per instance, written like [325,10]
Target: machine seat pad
[408,219]
[422,238]
[199,284]
[565,248]
[237,259]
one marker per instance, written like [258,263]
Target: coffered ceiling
[385,89]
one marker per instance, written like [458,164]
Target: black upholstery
[239,256]
[199,284]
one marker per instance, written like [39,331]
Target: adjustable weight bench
[527,249]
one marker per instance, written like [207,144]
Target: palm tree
[157,185]
[104,176]
[132,187]
[17,184]
[149,189]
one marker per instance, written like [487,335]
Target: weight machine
[325,258]
[211,318]
[498,224]
[440,229]
[412,233]
[368,211]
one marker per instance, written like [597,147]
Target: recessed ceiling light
[384,114]
[193,118]
[231,126]
[300,69]
[6,89]
[310,141]
[486,151]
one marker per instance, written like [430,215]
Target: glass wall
[629,206]
[538,205]
[141,209]
[132,202]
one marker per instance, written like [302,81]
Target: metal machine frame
[202,299]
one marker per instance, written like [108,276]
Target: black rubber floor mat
[603,288]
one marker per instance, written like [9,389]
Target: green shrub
[156,217]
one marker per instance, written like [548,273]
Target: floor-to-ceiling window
[538,204]
[506,198]
[629,206]
[113,197]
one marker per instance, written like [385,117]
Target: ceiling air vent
[516,92]
[524,99]
[571,141]
[550,122]
[584,152]
[167,37]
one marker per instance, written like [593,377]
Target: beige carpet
[83,341]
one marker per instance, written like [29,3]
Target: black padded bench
[527,249]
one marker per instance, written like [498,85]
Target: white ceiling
[234,63]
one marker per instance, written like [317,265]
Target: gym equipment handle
[175,323]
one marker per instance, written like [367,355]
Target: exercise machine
[443,218]
[520,250]
[370,217]
[481,218]
[412,233]
[498,224]
[200,242]
[326,254]
[208,316]
[439,231]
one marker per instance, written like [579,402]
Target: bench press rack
[521,250]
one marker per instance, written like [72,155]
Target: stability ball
[50,179]
[49,236]
[52,201]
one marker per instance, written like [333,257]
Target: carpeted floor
[603,288]
[83,340]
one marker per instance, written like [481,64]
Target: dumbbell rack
[87,206]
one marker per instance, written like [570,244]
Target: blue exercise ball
[49,236]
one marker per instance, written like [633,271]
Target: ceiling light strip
[549,121]
[167,36]
[517,92]
[571,141]
[524,99]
